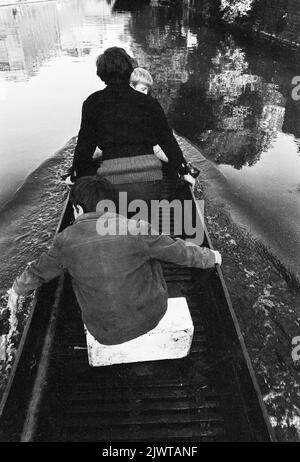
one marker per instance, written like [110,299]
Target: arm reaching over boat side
[180,252]
[47,267]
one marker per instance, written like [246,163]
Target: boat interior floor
[170,400]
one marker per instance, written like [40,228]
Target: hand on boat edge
[68,181]
[189,179]
[218,257]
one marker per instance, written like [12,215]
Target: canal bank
[265,299]
[276,23]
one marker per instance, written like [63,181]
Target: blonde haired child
[141,80]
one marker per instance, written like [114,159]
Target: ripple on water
[27,226]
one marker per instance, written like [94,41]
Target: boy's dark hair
[89,190]
[115,65]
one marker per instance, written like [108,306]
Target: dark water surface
[232,99]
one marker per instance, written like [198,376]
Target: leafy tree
[234,9]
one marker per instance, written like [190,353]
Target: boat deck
[152,401]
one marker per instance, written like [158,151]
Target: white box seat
[170,339]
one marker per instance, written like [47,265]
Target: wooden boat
[211,395]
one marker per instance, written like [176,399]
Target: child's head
[141,80]
[89,191]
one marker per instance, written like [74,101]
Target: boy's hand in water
[13,298]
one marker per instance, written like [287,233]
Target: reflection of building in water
[228,77]
[160,46]
[27,38]
[38,32]
[231,84]
[272,118]
[88,25]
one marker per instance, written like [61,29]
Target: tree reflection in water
[248,111]
[233,9]
[206,86]
[237,114]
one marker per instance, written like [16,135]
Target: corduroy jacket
[116,274]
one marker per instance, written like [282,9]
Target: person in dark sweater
[125,125]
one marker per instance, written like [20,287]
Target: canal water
[231,99]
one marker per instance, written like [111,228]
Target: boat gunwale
[238,332]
